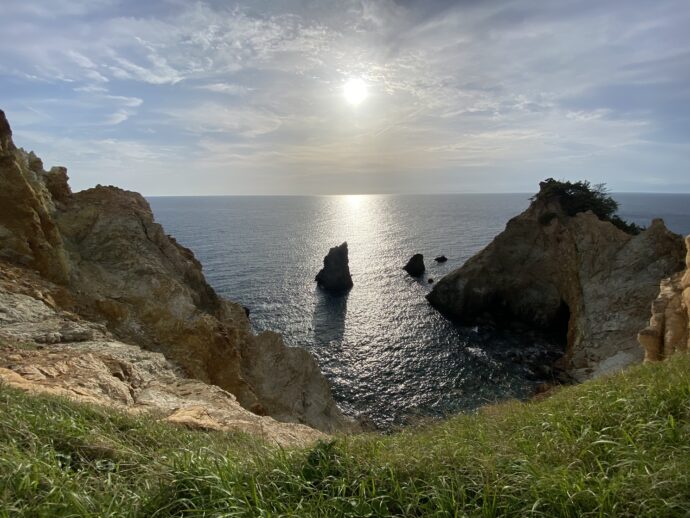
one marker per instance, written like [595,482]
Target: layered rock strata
[113,264]
[578,276]
[668,331]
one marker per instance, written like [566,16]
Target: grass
[613,447]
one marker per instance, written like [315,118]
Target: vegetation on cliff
[576,197]
[611,447]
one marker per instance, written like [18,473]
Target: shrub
[576,197]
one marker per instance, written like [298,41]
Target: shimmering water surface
[388,355]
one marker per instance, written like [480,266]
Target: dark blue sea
[389,356]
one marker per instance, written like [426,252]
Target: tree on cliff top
[576,197]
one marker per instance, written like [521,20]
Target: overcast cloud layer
[214,97]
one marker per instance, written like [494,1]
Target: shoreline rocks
[668,331]
[415,266]
[84,362]
[112,264]
[577,276]
[335,274]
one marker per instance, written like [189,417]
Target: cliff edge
[567,272]
[109,262]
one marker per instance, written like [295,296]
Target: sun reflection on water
[385,351]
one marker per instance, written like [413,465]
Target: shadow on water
[328,321]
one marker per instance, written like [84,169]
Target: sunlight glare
[355,91]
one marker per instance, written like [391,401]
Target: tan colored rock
[28,234]
[106,372]
[578,276]
[668,331]
[117,267]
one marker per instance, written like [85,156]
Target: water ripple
[387,353]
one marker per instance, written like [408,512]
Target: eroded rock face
[118,267]
[28,234]
[578,276]
[335,274]
[82,361]
[668,331]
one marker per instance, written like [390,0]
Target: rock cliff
[578,276]
[668,331]
[46,350]
[112,263]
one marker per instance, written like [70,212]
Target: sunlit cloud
[460,95]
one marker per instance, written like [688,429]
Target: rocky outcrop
[415,266]
[28,233]
[668,331]
[45,350]
[335,274]
[578,276]
[111,263]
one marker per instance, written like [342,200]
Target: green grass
[614,447]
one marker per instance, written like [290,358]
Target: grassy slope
[619,446]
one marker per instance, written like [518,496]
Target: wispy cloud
[225,88]
[459,91]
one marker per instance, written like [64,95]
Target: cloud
[225,88]
[132,102]
[157,72]
[456,87]
[241,121]
[116,118]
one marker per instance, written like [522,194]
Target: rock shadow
[328,321]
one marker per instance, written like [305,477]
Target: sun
[355,91]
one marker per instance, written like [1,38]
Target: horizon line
[380,194]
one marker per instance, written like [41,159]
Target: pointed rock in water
[415,266]
[335,274]
[441,259]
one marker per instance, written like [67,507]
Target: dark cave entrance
[558,327]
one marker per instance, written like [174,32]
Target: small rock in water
[335,274]
[415,266]
[430,280]
[441,259]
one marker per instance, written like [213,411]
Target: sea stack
[415,266]
[335,274]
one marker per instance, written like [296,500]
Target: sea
[391,359]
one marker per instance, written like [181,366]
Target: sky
[182,97]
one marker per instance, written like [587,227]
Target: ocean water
[389,356]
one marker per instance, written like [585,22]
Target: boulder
[441,259]
[578,276]
[415,266]
[335,274]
